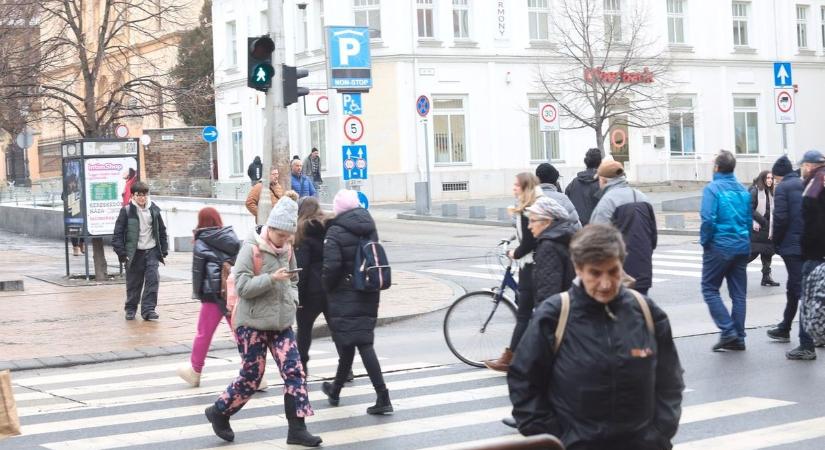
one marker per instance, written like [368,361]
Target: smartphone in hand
[296,270]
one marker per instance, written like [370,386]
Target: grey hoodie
[551,191]
[616,192]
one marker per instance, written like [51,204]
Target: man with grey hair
[300,182]
[725,238]
[597,365]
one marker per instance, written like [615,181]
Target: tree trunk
[99,256]
[600,139]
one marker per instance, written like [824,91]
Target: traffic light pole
[276,120]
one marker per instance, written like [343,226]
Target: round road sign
[618,138]
[121,131]
[363,200]
[422,105]
[322,104]
[784,101]
[145,140]
[549,113]
[349,164]
[353,128]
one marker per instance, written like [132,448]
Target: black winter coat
[637,222]
[309,255]
[552,269]
[760,240]
[813,216]
[127,232]
[582,192]
[610,386]
[352,314]
[213,246]
[787,215]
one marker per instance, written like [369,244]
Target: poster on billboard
[72,196]
[106,181]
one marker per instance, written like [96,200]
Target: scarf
[280,251]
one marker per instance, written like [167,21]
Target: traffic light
[291,89]
[259,63]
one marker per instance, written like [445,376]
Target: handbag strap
[562,324]
[645,311]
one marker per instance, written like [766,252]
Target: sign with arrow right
[210,134]
[782,74]
[355,162]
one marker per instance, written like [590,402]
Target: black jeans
[526,302]
[766,261]
[346,354]
[142,280]
[305,317]
[793,290]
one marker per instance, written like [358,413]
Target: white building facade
[478,62]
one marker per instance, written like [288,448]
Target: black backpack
[371,268]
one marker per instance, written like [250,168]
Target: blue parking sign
[351,102]
[348,58]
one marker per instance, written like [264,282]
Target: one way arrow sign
[782,74]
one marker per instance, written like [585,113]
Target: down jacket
[352,314]
[213,246]
[787,215]
[726,216]
[552,269]
[310,256]
[612,385]
[582,192]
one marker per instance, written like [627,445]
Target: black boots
[333,392]
[382,403]
[220,424]
[767,280]
[298,434]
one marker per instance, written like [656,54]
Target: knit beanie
[344,201]
[547,173]
[547,208]
[782,166]
[284,215]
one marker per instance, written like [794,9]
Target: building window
[424,14]
[318,139]
[236,131]
[449,131]
[544,145]
[368,14]
[232,41]
[746,125]
[680,118]
[264,22]
[822,24]
[321,21]
[802,26]
[461,19]
[538,12]
[613,20]
[301,36]
[740,24]
[676,21]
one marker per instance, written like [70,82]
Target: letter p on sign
[347,47]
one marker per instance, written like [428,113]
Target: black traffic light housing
[291,89]
[259,71]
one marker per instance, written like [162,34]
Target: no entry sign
[549,117]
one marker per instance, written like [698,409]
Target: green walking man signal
[259,63]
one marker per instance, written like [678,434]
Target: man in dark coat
[582,189]
[140,241]
[255,170]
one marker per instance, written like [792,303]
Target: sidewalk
[54,325]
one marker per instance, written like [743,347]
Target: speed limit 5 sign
[353,129]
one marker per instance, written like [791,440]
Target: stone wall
[176,162]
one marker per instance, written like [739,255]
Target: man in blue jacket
[301,183]
[725,237]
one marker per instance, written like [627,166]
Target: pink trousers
[208,320]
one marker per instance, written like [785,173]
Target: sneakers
[151,315]
[130,315]
[801,354]
[779,334]
[220,424]
[730,343]
[188,374]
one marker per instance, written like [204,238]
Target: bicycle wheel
[477,328]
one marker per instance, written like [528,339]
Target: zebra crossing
[436,407]
[667,265]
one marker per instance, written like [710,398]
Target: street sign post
[351,102]
[782,74]
[353,128]
[549,117]
[121,131]
[784,106]
[210,135]
[783,99]
[422,107]
[355,162]
[348,58]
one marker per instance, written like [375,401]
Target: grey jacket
[264,304]
[551,191]
[616,192]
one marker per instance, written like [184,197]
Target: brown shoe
[502,364]
[76,251]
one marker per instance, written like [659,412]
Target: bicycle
[480,323]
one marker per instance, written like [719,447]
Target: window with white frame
[368,14]
[822,24]
[740,23]
[321,20]
[449,130]
[236,131]
[424,16]
[544,145]
[461,19]
[318,138]
[264,22]
[232,43]
[613,20]
[538,16]
[746,125]
[301,33]
[676,21]
[802,26]
[681,122]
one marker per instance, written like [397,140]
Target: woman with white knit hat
[263,320]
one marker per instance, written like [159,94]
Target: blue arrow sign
[210,134]
[363,200]
[355,162]
[782,74]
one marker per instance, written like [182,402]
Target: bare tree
[97,64]
[607,71]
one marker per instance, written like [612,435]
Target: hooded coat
[787,215]
[213,246]
[552,268]
[352,314]
[310,256]
[582,192]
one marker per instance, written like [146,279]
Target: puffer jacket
[310,256]
[264,304]
[637,222]
[352,314]
[611,384]
[726,216]
[551,191]
[582,192]
[552,269]
[813,216]
[787,215]
[213,246]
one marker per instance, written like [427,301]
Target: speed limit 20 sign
[353,129]
[549,117]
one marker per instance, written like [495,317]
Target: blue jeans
[718,266]
[805,340]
